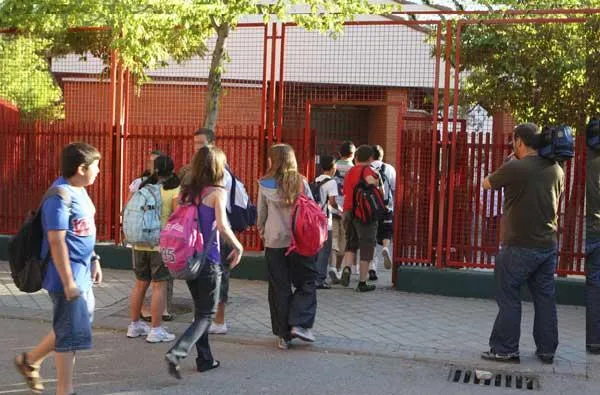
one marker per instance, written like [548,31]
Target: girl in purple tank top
[204,187]
[210,232]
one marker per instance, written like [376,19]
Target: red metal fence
[381,82]
[454,222]
[31,161]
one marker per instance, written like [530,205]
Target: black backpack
[384,181]
[315,189]
[592,134]
[27,267]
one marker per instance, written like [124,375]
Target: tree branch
[214,23]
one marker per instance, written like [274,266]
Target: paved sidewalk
[385,322]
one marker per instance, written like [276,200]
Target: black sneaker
[506,358]
[547,359]
[173,366]
[364,287]
[373,275]
[595,350]
[346,273]
[333,276]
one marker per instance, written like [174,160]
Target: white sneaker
[137,329]
[158,335]
[387,260]
[218,329]
[303,334]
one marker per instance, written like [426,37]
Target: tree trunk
[213,89]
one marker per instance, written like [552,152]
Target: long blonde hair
[284,169]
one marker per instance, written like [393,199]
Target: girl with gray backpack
[144,216]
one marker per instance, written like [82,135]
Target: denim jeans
[205,293]
[225,272]
[592,293]
[323,260]
[536,267]
[287,309]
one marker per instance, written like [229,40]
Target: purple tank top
[207,224]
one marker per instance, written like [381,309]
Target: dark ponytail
[171,182]
[152,179]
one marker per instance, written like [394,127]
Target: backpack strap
[156,199]
[66,197]
[362,173]
[207,191]
[321,183]
[233,187]
[56,191]
[383,180]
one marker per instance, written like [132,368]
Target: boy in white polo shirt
[328,191]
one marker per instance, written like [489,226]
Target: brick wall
[184,104]
[87,101]
[383,123]
[162,104]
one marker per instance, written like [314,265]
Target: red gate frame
[457,47]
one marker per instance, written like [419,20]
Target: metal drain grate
[494,379]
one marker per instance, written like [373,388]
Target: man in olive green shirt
[532,187]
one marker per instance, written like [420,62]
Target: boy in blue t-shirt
[69,238]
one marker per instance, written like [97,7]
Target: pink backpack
[309,227]
[182,244]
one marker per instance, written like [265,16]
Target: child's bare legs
[36,356]
[220,316]
[65,362]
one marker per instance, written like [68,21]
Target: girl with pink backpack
[282,192]
[203,187]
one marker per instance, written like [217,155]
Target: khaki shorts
[338,237]
[148,266]
[360,236]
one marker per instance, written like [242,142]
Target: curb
[468,283]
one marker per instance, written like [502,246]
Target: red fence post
[444,141]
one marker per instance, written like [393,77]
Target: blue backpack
[592,134]
[141,216]
[557,143]
[243,213]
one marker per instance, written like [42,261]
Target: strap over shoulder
[57,191]
[210,189]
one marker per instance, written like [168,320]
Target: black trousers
[205,293]
[291,309]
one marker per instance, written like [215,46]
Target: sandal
[214,365]
[30,373]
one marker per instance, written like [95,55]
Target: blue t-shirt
[79,223]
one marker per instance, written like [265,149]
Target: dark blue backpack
[557,143]
[592,134]
[240,217]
